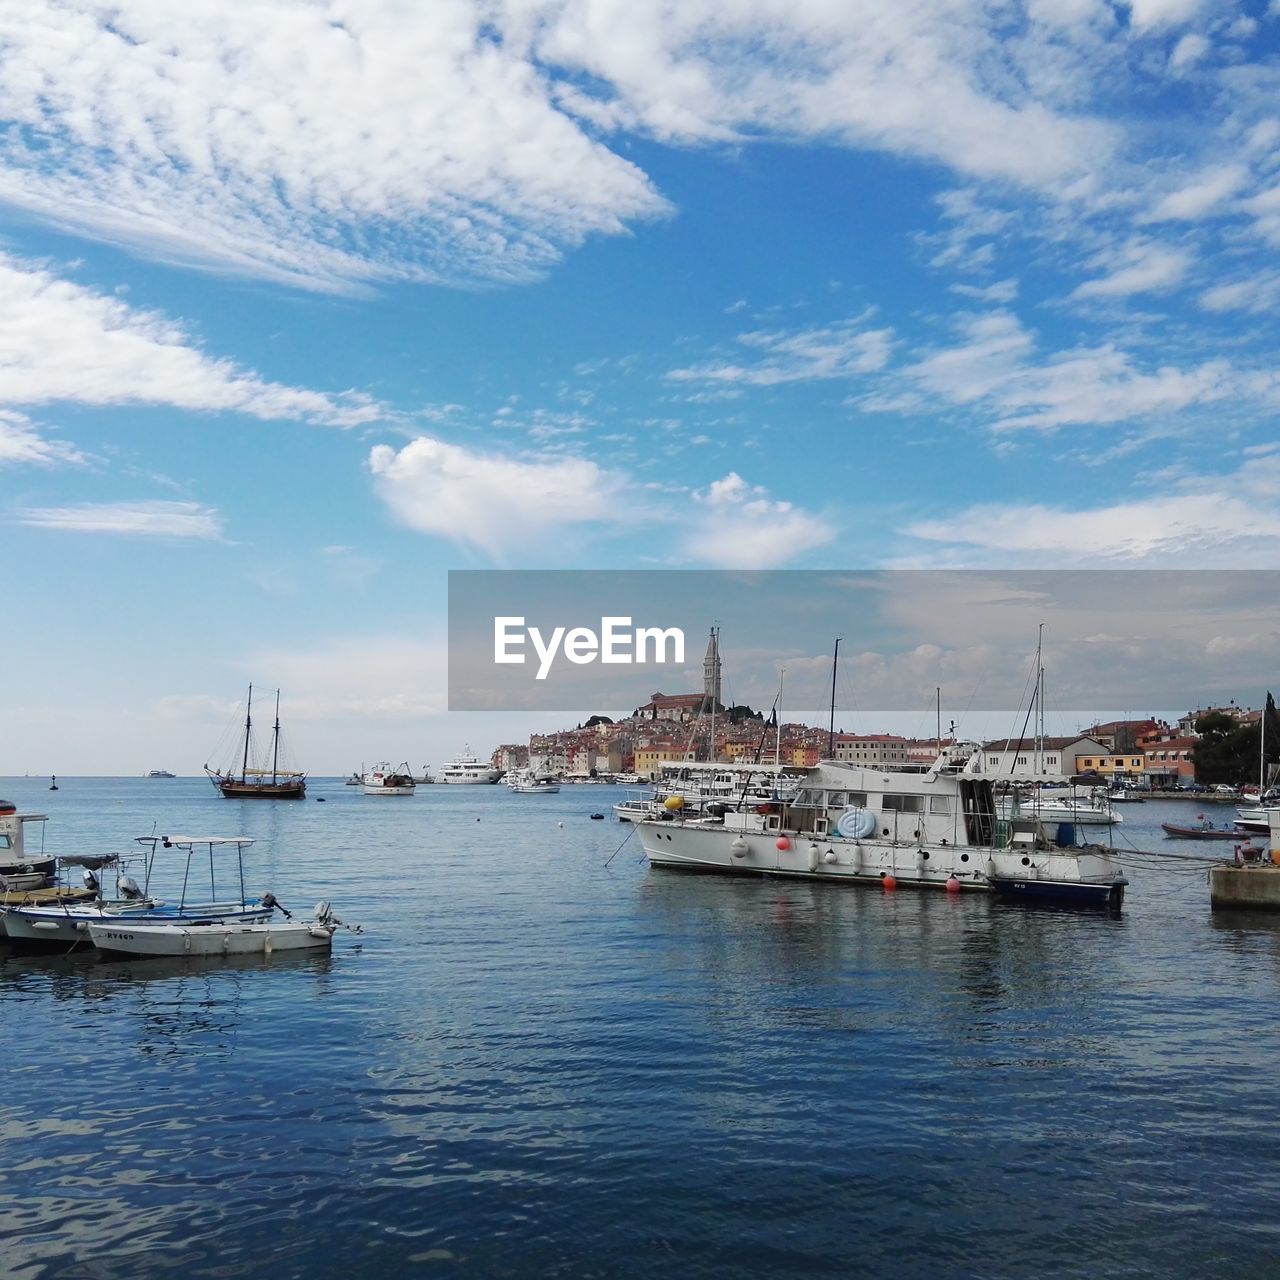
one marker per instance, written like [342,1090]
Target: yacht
[467,769]
[526,782]
[934,827]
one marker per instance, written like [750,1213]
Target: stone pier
[1253,886]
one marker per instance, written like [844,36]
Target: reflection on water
[537,1064]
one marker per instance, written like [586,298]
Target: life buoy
[856,823]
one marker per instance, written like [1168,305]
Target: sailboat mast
[831,725]
[248,725]
[275,741]
[715,690]
[777,742]
[938,709]
[1040,700]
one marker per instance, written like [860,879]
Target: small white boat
[161,773]
[1082,811]
[139,937]
[467,770]
[383,780]
[222,933]
[526,782]
[1256,819]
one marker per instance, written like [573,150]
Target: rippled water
[537,1064]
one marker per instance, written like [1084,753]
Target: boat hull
[378,789]
[234,789]
[228,939]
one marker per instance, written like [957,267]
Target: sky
[304,304]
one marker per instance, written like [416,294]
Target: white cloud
[805,355]
[739,526]
[490,502]
[61,342]
[1146,14]
[153,519]
[1188,51]
[996,371]
[1226,521]
[1201,196]
[321,144]
[1141,266]
[21,443]
[1259,293]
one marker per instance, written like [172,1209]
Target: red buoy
[890,884]
[953,885]
[783,842]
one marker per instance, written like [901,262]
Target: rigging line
[618,850]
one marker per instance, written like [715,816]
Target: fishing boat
[1202,830]
[141,938]
[526,782]
[469,771]
[383,780]
[254,781]
[20,869]
[223,928]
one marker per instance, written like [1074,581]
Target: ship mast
[248,724]
[831,726]
[275,741]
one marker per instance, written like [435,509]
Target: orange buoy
[783,842]
[889,883]
[953,885]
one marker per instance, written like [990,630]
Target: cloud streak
[63,343]
[154,519]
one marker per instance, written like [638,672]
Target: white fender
[813,857]
[739,847]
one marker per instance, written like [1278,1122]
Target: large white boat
[848,823]
[467,769]
[526,782]
[383,780]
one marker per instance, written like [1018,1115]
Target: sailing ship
[254,781]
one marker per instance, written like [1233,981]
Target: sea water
[543,1058]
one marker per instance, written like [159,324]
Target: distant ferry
[161,773]
[469,770]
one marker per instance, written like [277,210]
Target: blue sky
[303,306]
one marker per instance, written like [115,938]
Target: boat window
[806,799]
[858,799]
[939,804]
[836,800]
[5,842]
[902,804]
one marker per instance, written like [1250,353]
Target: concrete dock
[1249,886]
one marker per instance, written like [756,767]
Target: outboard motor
[90,881]
[127,887]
